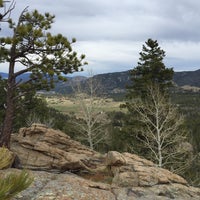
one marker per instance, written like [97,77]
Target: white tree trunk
[161,129]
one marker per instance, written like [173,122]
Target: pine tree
[150,71]
[152,118]
[5,12]
[43,55]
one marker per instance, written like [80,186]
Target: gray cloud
[116,19]
[111,32]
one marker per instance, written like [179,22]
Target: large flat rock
[64,169]
[68,186]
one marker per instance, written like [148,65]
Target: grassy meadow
[71,105]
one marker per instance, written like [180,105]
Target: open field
[70,105]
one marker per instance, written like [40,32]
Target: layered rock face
[41,148]
[66,170]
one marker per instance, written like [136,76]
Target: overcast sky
[111,32]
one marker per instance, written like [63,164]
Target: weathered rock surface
[131,170]
[117,176]
[41,148]
[68,186]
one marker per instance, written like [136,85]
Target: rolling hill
[116,82]
[191,78]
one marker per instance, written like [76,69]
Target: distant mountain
[24,77]
[4,75]
[66,87]
[191,78]
[116,82]
[60,87]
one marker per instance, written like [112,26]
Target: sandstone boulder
[41,148]
[84,174]
[131,170]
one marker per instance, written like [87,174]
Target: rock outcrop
[41,148]
[68,186]
[130,170]
[65,170]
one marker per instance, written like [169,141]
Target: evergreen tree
[2,99]
[5,13]
[42,54]
[152,119]
[150,71]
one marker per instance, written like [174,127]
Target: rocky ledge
[63,169]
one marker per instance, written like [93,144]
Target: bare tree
[161,129]
[91,121]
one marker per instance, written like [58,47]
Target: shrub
[11,184]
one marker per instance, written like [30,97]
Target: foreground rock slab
[66,170]
[68,186]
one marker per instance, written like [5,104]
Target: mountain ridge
[116,82]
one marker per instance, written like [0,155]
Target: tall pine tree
[150,71]
[46,57]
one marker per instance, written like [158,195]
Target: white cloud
[110,55]
[182,56]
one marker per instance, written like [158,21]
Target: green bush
[11,184]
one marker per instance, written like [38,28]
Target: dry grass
[69,105]
[190,88]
